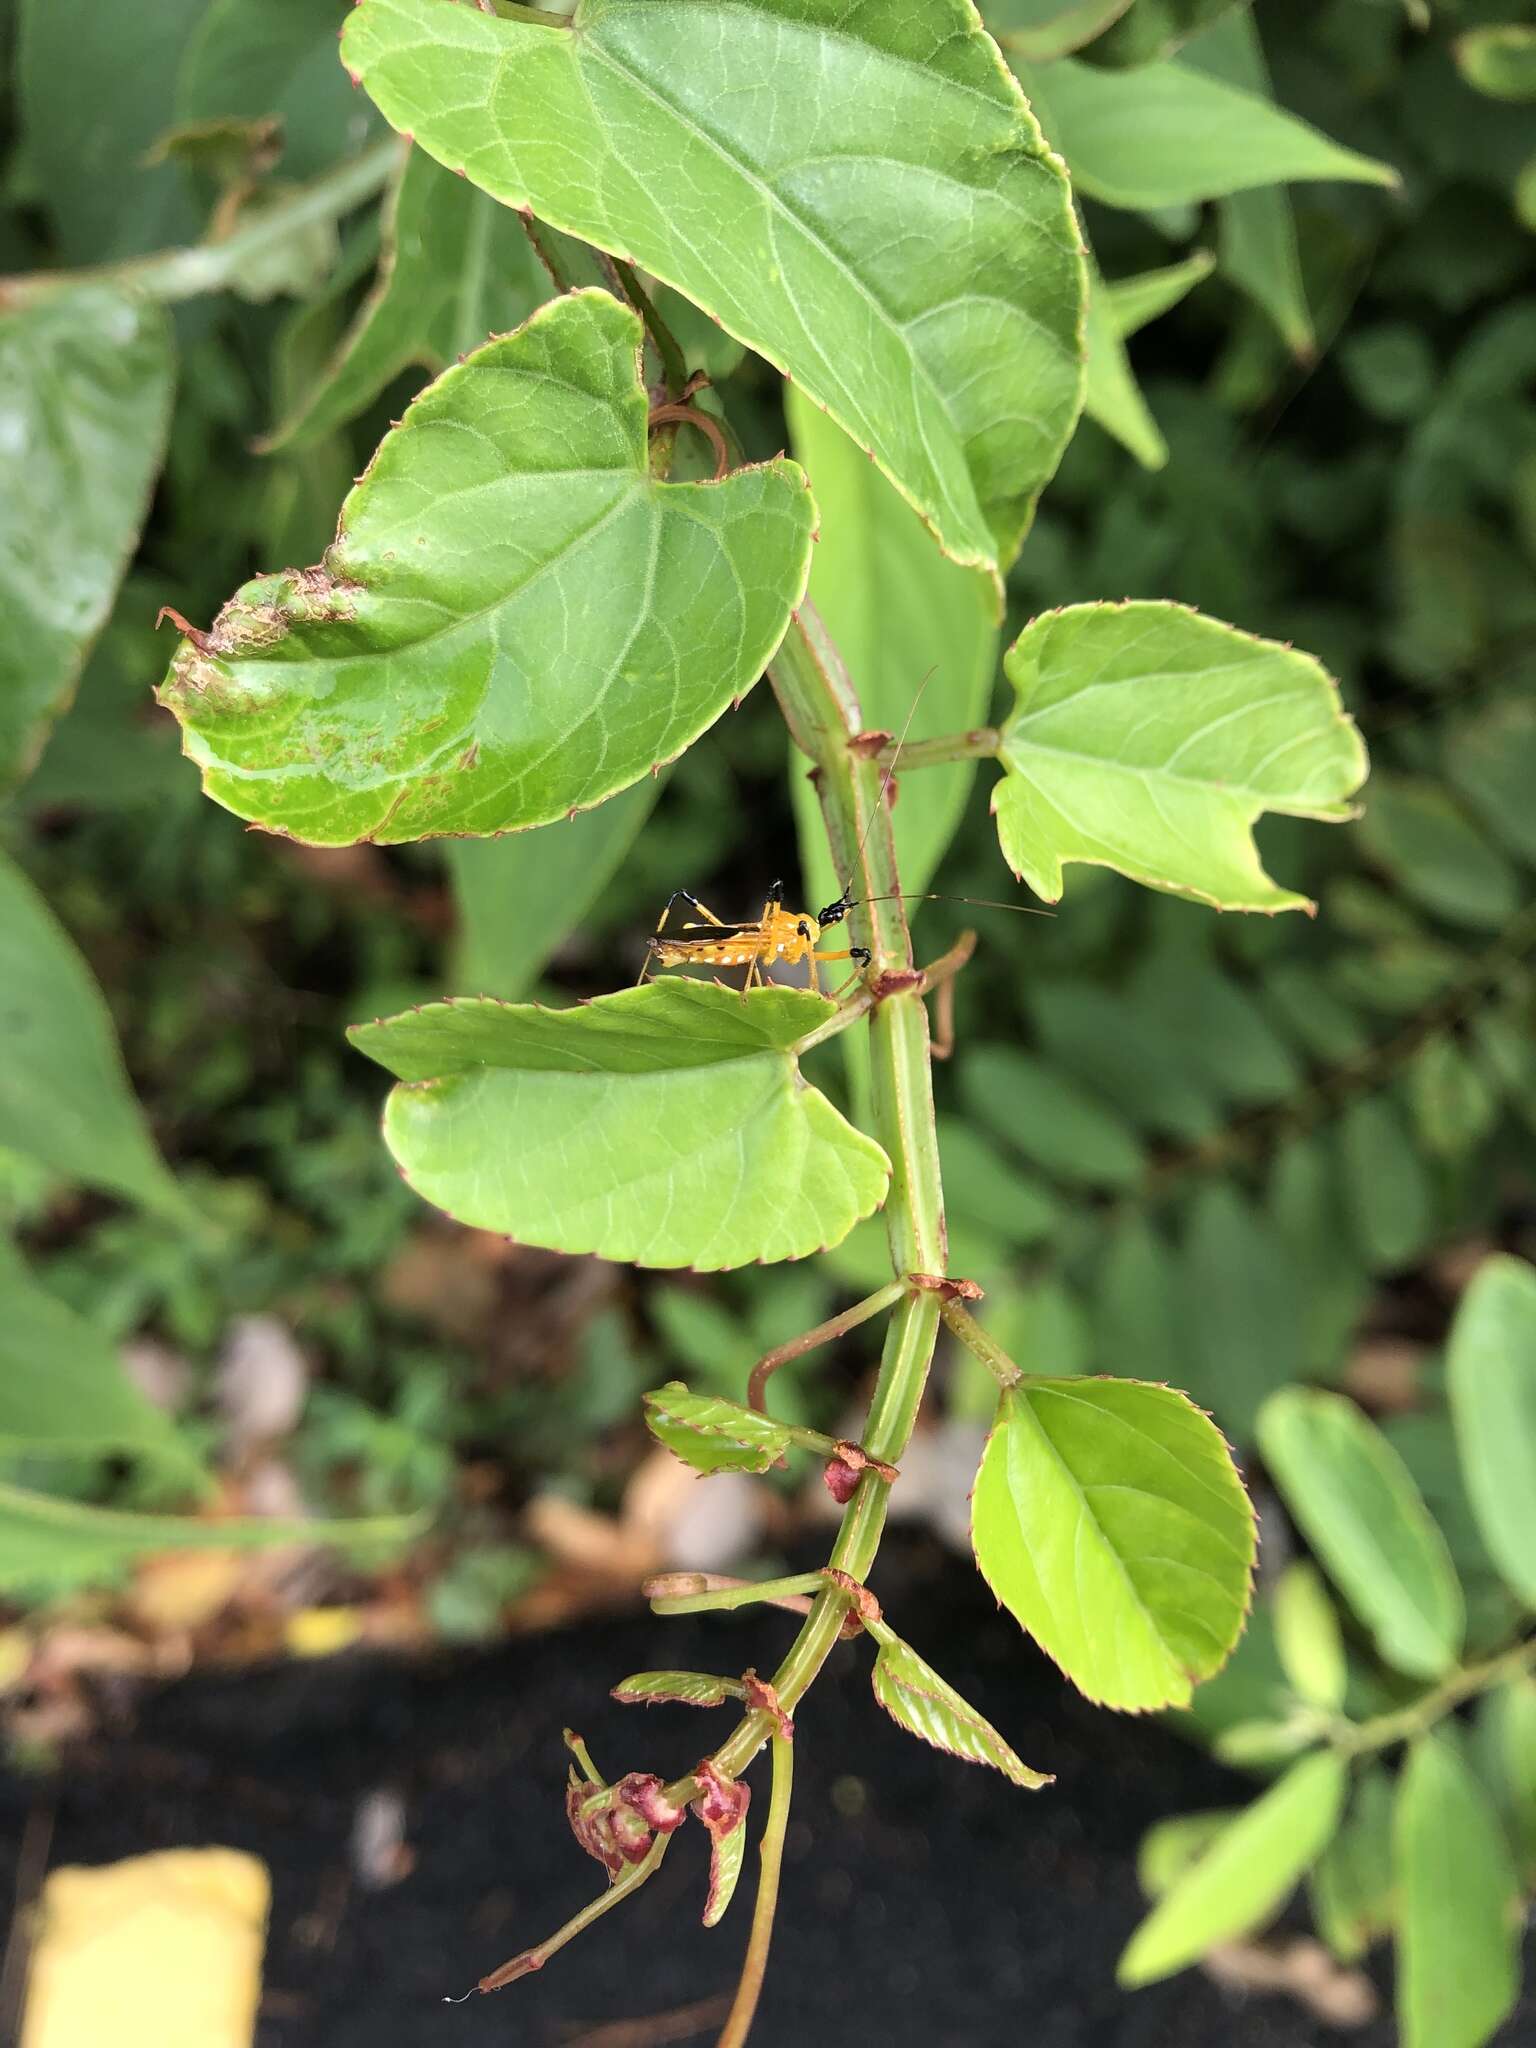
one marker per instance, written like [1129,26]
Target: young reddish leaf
[721,1804]
[917,1699]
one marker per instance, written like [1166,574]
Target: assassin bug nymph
[779,934]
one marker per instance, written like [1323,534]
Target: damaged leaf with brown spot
[515,620]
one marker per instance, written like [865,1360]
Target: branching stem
[975,1339]
[1363,1738]
[980,744]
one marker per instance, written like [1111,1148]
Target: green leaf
[727,1852]
[684,1688]
[1308,1637]
[104,200]
[1426,1443]
[1242,1311]
[1167,135]
[1491,759]
[1043,1115]
[982,1187]
[667,1124]
[1491,1379]
[1458,1972]
[714,1435]
[1242,1880]
[1171,1847]
[1049,28]
[64,1097]
[917,1699]
[257,57]
[518,897]
[445,669]
[1136,1310]
[87,374]
[1133,302]
[454,269]
[1109,1519]
[1150,29]
[1504,1750]
[1352,1886]
[1454,1103]
[62,1385]
[1100,1039]
[1148,739]
[1258,1745]
[1330,1280]
[1499,61]
[1366,1520]
[1112,396]
[693,138]
[1418,835]
[1256,230]
[1217,1029]
[48,1544]
[1386,1193]
[905,620]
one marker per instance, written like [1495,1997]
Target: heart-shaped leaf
[87,376]
[927,1706]
[861,196]
[669,1124]
[1148,739]
[715,1435]
[1109,1519]
[514,621]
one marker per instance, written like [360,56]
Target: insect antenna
[977,902]
[885,783]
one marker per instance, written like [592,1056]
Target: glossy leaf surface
[667,1124]
[1243,1878]
[87,375]
[857,192]
[1366,1520]
[1492,1385]
[446,669]
[1148,739]
[1109,1519]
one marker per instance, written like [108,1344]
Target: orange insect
[779,934]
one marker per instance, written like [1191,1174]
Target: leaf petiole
[975,1339]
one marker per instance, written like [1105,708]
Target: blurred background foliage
[1226,1153]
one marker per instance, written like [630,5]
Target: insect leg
[693,903]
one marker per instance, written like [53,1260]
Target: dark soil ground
[925,1901]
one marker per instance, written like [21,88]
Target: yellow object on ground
[161,1951]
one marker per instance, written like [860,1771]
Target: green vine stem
[1364,1738]
[749,1985]
[980,744]
[175,274]
[822,713]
